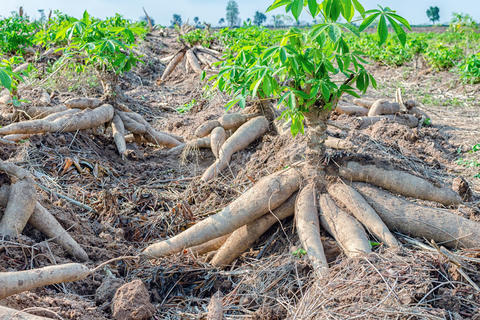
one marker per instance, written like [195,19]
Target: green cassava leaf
[5,79]
[297,7]
[278,4]
[382,30]
[313,7]
[368,21]
[401,19]
[358,6]
[401,34]
[334,32]
[348,11]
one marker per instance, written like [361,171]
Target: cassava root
[348,232]
[83,103]
[206,128]
[246,134]
[209,246]
[20,281]
[19,208]
[268,194]
[199,143]
[118,130]
[383,107]
[352,110]
[244,237]
[193,61]
[136,124]
[217,139]
[308,229]
[364,213]
[405,119]
[232,121]
[363,102]
[42,220]
[171,66]
[67,121]
[41,112]
[12,314]
[339,144]
[440,225]
[399,182]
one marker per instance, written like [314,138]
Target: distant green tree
[145,19]
[177,19]
[232,13]
[433,14]
[196,20]
[43,17]
[259,18]
[221,21]
[280,20]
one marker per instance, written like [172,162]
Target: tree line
[232,18]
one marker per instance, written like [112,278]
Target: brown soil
[154,195]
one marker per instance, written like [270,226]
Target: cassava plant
[303,73]
[107,46]
[201,37]
[16,33]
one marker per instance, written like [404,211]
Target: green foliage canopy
[301,70]
[433,14]
[259,18]
[232,14]
[105,44]
[176,20]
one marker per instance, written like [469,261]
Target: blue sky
[212,10]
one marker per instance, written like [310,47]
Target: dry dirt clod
[460,185]
[132,302]
[45,98]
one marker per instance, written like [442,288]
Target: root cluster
[21,206]
[225,136]
[196,59]
[369,112]
[352,212]
[87,113]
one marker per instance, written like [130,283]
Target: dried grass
[389,285]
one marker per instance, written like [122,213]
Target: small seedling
[472,163]
[186,107]
[300,252]
[375,244]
